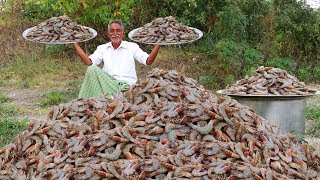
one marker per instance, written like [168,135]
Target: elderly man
[118,58]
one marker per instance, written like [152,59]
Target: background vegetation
[239,36]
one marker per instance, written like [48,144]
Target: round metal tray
[266,96]
[26,32]
[200,34]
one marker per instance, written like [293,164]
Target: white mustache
[115,36]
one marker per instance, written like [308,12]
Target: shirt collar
[122,45]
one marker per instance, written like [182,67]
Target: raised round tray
[266,96]
[200,34]
[26,32]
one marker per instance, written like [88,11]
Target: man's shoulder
[104,45]
[130,44]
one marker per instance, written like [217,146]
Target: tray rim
[266,96]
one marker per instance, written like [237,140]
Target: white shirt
[120,62]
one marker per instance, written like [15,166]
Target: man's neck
[115,45]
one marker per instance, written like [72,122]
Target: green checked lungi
[97,82]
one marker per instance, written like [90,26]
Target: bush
[304,73]
[40,10]
[282,63]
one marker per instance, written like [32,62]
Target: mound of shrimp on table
[166,127]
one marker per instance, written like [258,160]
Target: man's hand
[84,57]
[153,55]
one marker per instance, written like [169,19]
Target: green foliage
[282,63]
[51,98]
[252,60]
[36,10]
[229,79]
[317,72]
[304,73]
[298,27]
[237,59]
[313,113]
[9,128]
[189,12]
[231,24]
[256,13]
[206,80]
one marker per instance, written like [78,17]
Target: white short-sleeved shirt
[120,62]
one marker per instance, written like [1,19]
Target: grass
[4,97]
[313,113]
[41,72]
[9,128]
[56,97]
[8,110]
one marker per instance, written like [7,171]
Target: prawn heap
[269,81]
[59,29]
[164,30]
[166,127]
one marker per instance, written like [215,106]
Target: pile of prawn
[164,30]
[269,81]
[59,29]
[166,127]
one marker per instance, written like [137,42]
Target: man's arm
[84,57]
[153,55]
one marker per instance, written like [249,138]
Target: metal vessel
[288,112]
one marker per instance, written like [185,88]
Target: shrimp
[229,153]
[170,126]
[173,135]
[35,148]
[104,174]
[131,168]
[150,165]
[204,130]
[43,130]
[222,111]
[139,151]
[127,153]
[197,171]
[126,133]
[118,108]
[190,149]
[182,172]
[220,169]
[34,126]
[126,115]
[150,83]
[58,158]
[114,155]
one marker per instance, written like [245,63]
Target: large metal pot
[288,112]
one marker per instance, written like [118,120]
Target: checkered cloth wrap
[97,82]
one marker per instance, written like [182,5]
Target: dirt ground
[27,99]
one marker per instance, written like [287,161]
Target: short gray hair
[117,22]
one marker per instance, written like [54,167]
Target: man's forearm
[84,57]
[153,55]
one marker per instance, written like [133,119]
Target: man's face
[115,34]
